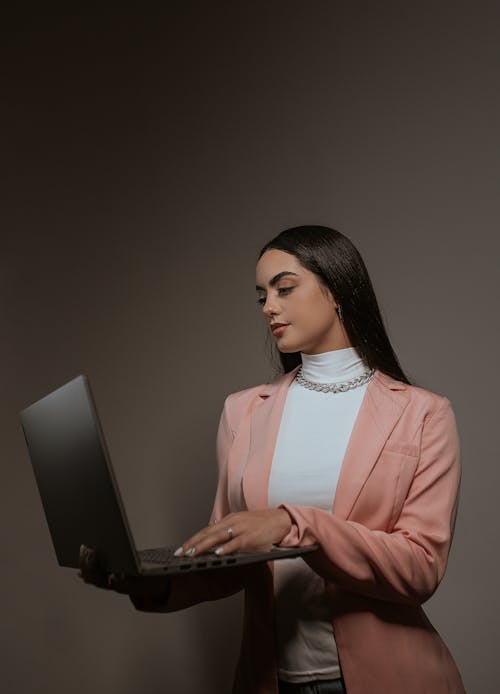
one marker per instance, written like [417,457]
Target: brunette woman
[342,451]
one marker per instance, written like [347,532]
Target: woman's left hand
[247,531]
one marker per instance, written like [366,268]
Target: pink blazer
[383,549]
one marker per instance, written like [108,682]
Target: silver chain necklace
[335,387]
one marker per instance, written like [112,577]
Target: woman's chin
[287,348]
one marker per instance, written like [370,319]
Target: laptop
[81,498]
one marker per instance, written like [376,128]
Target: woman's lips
[279,329]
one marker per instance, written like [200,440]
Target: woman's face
[292,295]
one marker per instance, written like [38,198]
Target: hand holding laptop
[154,588]
[146,592]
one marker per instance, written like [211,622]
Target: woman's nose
[269,308]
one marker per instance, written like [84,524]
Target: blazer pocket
[382,497]
[402,447]
[407,469]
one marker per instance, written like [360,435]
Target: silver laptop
[81,498]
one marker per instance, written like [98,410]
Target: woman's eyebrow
[277,278]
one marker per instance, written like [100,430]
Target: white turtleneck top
[312,439]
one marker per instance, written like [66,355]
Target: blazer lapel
[264,425]
[384,402]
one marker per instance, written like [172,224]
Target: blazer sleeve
[406,564]
[190,589]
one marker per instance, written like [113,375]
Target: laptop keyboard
[160,555]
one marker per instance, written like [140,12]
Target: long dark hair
[339,266]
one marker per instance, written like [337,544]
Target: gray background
[145,161]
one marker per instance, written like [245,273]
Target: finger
[124,584]
[207,537]
[115,580]
[220,536]
[189,547]
[228,547]
[121,583]
[87,560]
[89,568]
[83,558]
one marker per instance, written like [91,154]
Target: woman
[343,452]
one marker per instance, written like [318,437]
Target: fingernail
[178,552]
[190,551]
[219,550]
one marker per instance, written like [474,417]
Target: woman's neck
[332,367]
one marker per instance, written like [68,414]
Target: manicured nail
[178,552]
[219,551]
[190,551]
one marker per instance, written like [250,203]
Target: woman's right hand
[151,588]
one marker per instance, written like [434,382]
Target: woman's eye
[261,300]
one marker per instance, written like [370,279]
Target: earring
[339,311]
